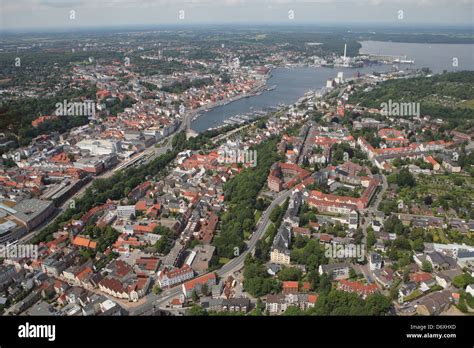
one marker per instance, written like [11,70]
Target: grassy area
[440,96]
[258,214]
[223,260]
[417,293]
[162,143]
[268,236]
[447,191]
[440,237]
[467,104]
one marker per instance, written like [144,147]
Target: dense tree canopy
[241,195]
[441,96]
[257,281]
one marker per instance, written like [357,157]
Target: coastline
[260,89]
[256,90]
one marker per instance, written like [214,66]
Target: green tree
[195,296]
[241,193]
[290,273]
[394,225]
[205,289]
[313,278]
[257,281]
[196,310]
[312,255]
[406,274]
[377,304]
[292,311]
[371,239]
[405,178]
[418,245]
[275,214]
[426,266]
[401,243]
[463,280]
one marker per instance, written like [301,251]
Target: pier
[389,58]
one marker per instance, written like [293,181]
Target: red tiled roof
[431,160]
[150,263]
[290,284]
[144,228]
[140,206]
[312,298]
[176,302]
[112,284]
[84,273]
[421,277]
[325,237]
[176,272]
[355,286]
[122,268]
[190,284]
[84,242]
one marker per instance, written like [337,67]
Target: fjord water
[292,83]
[437,57]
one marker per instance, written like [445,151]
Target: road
[373,208]
[152,301]
[150,154]
[228,134]
[435,218]
[158,301]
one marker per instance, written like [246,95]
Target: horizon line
[345,25]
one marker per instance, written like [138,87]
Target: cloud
[18,13]
[9,4]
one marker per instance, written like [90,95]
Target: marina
[288,83]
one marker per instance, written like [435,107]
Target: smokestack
[345,49]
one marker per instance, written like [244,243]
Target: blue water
[292,84]
[437,57]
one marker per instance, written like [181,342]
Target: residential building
[336,271]
[375,261]
[362,290]
[280,252]
[435,303]
[170,277]
[290,287]
[197,283]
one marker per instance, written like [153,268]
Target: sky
[24,14]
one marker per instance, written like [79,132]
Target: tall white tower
[345,50]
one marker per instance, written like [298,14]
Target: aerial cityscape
[197,169]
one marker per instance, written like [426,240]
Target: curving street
[157,301]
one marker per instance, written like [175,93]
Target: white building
[353,220]
[125,211]
[376,225]
[375,261]
[167,278]
[98,147]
